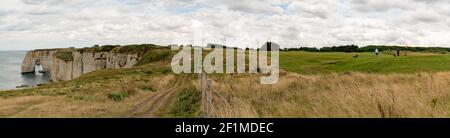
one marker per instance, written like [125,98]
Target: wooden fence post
[205,85]
[202,88]
[209,96]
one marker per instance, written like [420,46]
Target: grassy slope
[318,63]
[103,93]
[89,95]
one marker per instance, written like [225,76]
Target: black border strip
[280,127]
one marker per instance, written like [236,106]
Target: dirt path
[150,105]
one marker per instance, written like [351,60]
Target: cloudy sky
[31,24]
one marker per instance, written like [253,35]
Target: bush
[118,96]
[126,91]
[187,103]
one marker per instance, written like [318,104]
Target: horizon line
[235,46]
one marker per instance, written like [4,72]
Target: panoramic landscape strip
[138,81]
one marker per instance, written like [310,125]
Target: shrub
[118,96]
[187,103]
[126,91]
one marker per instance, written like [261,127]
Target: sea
[10,72]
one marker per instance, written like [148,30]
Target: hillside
[104,93]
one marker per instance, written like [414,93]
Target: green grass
[136,49]
[155,56]
[118,96]
[320,63]
[64,55]
[187,103]
[96,49]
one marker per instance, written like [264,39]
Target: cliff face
[37,57]
[81,62]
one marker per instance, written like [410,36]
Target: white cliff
[36,57]
[82,62]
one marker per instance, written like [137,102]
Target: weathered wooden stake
[202,87]
[209,96]
[205,85]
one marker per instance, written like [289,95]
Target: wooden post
[203,90]
[209,96]
[205,85]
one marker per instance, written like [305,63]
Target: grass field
[338,85]
[318,63]
[354,95]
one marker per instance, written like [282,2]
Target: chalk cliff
[75,62]
[38,57]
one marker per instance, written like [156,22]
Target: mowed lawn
[323,63]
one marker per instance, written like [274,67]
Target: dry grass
[335,95]
[329,95]
[81,99]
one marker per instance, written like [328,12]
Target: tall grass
[336,95]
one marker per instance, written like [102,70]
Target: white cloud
[30,24]
[321,9]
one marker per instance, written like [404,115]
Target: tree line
[369,48]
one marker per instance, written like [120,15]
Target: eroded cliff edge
[35,57]
[70,63]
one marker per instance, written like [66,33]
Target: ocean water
[10,71]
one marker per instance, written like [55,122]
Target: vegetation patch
[64,55]
[369,48]
[148,88]
[339,62]
[154,56]
[187,103]
[126,91]
[136,49]
[118,96]
[82,98]
[97,48]
[140,49]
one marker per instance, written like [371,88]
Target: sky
[34,24]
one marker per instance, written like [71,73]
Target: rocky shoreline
[28,86]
